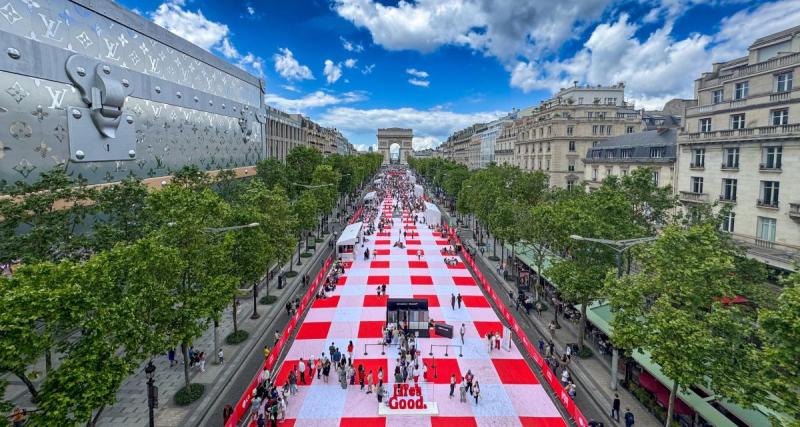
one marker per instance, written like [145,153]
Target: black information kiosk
[412,313]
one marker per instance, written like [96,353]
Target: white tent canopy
[371,196]
[377,181]
[412,179]
[432,214]
[418,190]
[345,246]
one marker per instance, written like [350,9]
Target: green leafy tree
[778,382]
[180,218]
[305,212]
[673,309]
[325,181]
[273,172]
[119,211]
[300,165]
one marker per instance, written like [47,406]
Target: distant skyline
[437,66]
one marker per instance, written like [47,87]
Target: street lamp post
[619,247]
[152,391]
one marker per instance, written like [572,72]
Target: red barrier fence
[244,402]
[356,216]
[549,375]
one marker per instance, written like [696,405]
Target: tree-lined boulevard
[670,295]
[106,278]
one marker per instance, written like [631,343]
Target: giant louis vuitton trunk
[94,88]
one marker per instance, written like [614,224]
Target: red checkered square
[453,421]
[486,327]
[421,280]
[362,422]
[475,301]
[442,368]
[542,422]
[514,371]
[382,242]
[442,242]
[342,280]
[370,328]
[375,300]
[418,264]
[379,264]
[313,330]
[410,227]
[459,266]
[286,367]
[433,300]
[374,364]
[436,234]
[378,280]
[413,242]
[414,252]
[329,302]
[383,234]
[464,281]
[381,252]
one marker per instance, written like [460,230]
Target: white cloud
[287,66]
[424,142]
[659,67]
[313,100]
[250,10]
[421,83]
[192,26]
[368,69]
[433,124]
[197,29]
[291,88]
[500,28]
[332,71]
[350,46]
[417,73]
[350,62]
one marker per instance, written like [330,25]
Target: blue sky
[440,65]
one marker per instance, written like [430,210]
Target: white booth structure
[418,190]
[412,179]
[433,216]
[371,196]
[346,245]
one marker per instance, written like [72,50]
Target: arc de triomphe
[402,137]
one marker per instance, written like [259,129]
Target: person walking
[369,382]
[462,332]
[552,328]
[221,356]
[453,301]
[361,375]
[452,385]
[350,351]
[615,408]
[266,352]
[419,254]
[301,367]
[203,358]
[277,337]
[171,357]
[462,391]
[628,418]
[293,382]
[476,391]
[379,393]
[343,379]
[380,376]
[458,298]
[468,378]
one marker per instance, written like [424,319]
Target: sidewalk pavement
[592,375]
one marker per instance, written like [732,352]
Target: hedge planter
[585,353]
[186,396]
[268,299]
[320,240]
[290,274]
[494,258]
[306,255]
[237,337]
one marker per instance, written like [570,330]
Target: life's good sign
[407,396]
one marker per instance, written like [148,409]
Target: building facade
[284,132]
[504,146]
[741,146]
[457,146]
[621,155]
[558,133]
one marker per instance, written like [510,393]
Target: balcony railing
[698,166]
[727,199]
[692,197]
[745,71]
[767,203]
[794,211]
[730,166]
[780,96]
[769,167]
[783,131]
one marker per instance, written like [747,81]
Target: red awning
[738,299]
[648,382]
[662,397]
